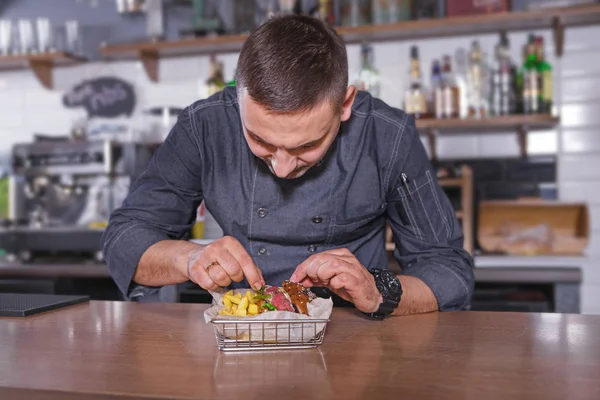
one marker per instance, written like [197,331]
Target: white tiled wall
[579,168]
[26,108]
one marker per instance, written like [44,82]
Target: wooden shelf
[42,64]
[475,24]
[451,182]
[491,124]
[150,52]
[521,124]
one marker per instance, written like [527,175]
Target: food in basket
[291,296]
[272,316]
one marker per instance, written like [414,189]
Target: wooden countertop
[103,350]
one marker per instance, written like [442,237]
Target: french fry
[233,299]
[242,308]
[227,303]
[250,296]
[241,313]
[241,304]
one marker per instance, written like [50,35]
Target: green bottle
[3,197]
[530,79]
[544,70]
[232,82]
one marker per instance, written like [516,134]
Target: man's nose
[282,164]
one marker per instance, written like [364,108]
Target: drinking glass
[5,36]
[44,34]
[26,35]
[73,37]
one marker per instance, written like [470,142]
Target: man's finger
[218,274]
[199,275]
[343,252]
[300,273]
[230,265]
[307,283]
[250,270]
[215,276]
[343,281]
[308,268]
[327,267]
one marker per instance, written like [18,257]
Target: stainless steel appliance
[61,194]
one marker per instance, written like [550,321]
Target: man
[301,172]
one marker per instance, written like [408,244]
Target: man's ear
[348,101]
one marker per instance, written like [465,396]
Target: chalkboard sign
[106,97]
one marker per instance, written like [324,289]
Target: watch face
[392,284]
[390,288]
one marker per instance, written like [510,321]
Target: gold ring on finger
[212,264]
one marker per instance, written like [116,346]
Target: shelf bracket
[522,138]
[43,72]
[558,30]
[150,60]
[432,139]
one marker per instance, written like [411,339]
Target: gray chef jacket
[376,169]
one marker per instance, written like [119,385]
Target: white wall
[25,108]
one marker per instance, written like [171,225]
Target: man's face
[290,144]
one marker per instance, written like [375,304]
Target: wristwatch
[390,288]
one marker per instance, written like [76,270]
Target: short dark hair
[292,63]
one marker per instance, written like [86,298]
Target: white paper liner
[273,332]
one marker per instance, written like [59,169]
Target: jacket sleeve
[426,231]
[161,205]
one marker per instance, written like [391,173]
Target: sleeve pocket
[419,209]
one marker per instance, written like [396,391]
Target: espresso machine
[61,194]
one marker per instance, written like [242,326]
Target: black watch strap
[390,288]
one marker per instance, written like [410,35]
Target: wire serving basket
[273,334]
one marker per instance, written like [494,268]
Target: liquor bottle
[436,98]
[326,11]
[520,84]
[544,70]
[355,12]
[197,231]
[450,91]
[503,94]
[428,9]
[530,79]
[415,98]
[462,71]
[369,78]
[390,11]
[264,10]
[286,7]
[233,81]
[215,81]
[476,82]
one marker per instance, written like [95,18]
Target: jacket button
[262,251]
[317,220]
[312,248]
[262,212]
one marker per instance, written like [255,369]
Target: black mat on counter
[24,304]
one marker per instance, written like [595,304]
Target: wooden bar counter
[114,350]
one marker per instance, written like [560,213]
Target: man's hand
[221,262]
[343,274]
